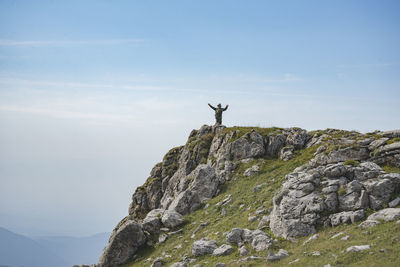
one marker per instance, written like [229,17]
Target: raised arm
[211,106]
[226,107]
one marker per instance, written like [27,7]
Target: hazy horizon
[94,93]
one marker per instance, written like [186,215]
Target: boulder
[171,219]
[235,236]
[347,217]
[152,221]
[380,191]
[387,215]
[223,250]
[186,202]
[250,145]
[124,241]
[275,144]
[204,182]
[261,241]
[243,251]
[203,247]
[258,239]
[280,255]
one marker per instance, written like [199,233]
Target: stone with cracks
[171,219]
[124,241]
[152,222]
[387,215]
[223,250]
[186,202]
[203,247]
[250,145]
[261,242]
[347,217]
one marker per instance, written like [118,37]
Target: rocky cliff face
[338,185]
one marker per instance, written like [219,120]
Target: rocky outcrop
[125,240]
[335,187]
[326,191]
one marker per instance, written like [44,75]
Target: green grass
[240,131]
[385,236]
[394,140]
[391,169]
[352,162]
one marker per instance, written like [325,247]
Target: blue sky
[93,93]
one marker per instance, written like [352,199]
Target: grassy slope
[272,172]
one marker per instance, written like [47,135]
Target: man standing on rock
[218,112]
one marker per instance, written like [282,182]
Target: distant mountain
[76,250]
[18,250]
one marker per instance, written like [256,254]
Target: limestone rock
[223,250]
[186,202]
[391,133]
[377,143]
[275,144]
[258,239]
[251,171]
[368,224]
[280,255]
[152,222]
[357,248]
[124,241]
[286,153]
[158,262]
[243,251]
[204,182]
[203,247]
[251,145]
[347,217]
[313,237]
[297,138]
[179,264]
[394,202]
[387,215]
[261,242]
[171,219]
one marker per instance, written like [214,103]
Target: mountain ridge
[333,174]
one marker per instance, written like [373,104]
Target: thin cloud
[45,83]
[368,65]
[65,114]
[22,43]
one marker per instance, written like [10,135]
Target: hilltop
[254,196]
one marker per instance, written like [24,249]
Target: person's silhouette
[218,112]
